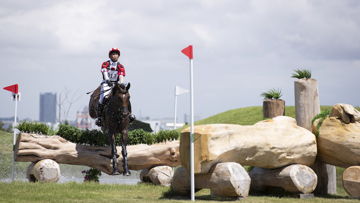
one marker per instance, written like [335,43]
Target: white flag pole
[192,132]
[175,109]
[178,91]
[13,167]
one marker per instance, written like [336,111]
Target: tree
[69,100]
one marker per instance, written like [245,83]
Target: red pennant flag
[188,51]
[12,88]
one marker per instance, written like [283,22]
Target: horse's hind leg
[113,154]
[124,154]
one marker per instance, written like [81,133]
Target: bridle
[122,108]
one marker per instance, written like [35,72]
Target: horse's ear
[128,87]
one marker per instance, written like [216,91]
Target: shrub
[322,117]
[273,93]
[137,136]
[98,138]
[91,175]
[33,127]
[301,74]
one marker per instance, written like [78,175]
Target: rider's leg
[100,106]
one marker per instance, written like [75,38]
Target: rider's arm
[104,71]
[121,71]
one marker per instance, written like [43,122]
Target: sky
[242,48]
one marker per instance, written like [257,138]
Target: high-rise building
[48,107]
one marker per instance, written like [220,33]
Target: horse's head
[121,93]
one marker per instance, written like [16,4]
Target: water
[68,173]
[106,179]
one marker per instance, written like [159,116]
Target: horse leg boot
[115,164]
[99,110]
[125,161]
[131,116]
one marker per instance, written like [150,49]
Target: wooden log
[271,143]
[45,170]
[294,178]
[224,179]
[307,106]
[273,108]
[159,175]
[351,181]
[33,148]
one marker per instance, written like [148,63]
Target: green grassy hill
[245,116]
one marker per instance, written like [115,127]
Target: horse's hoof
[127,173]
[115,172]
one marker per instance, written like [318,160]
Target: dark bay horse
[116,120]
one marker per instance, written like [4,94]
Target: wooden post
[32,147]
[273,108]
[307,106]
[351,181]
[227,179]
[45,170]
[294,178]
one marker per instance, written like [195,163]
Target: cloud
[241,48]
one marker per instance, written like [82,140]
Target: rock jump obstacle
[281,152]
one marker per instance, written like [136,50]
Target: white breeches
[105,89]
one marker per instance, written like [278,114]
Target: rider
[112,71]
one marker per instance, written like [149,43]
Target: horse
[115,116]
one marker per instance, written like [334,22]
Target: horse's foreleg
[114,153]
[124,153]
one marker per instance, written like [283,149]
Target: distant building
[83,119]
[48,107]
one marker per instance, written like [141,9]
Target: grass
[245,116]
[21,191]
[93,192]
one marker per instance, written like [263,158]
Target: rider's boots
[131,116]
[99,109]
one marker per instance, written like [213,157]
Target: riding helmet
[112,50]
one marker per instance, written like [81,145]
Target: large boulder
[339,137]
[271,143]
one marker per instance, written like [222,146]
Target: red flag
[188,51]
[12,88]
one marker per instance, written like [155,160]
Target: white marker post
[178,91]
[188,51]
[14,90]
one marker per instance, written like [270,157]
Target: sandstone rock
[224,179]
[45,170]
[338,140]
[271,143]
[294,178]
[159,175]
[345,112]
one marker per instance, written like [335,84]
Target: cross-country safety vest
[112,72]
